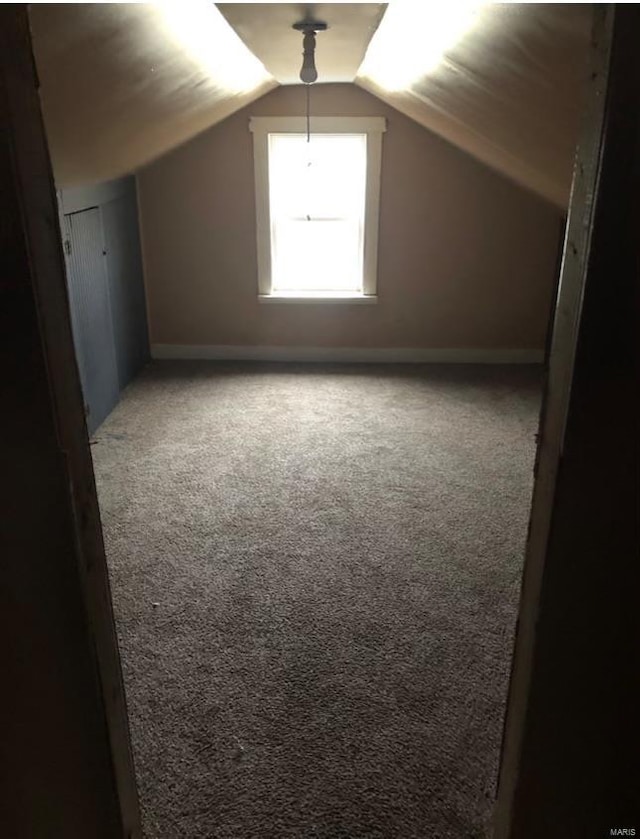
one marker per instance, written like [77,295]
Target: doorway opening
[315,563]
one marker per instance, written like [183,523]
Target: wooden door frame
[600,251]
[40,222]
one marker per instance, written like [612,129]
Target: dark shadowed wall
[58,776]
[579,773]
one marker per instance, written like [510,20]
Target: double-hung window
[317,198]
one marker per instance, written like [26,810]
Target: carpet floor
[315,574]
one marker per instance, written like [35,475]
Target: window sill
[318,298]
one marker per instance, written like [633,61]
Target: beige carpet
[315,573]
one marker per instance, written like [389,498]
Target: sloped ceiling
[509,92]
[120,85]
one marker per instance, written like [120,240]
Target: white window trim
[373,127]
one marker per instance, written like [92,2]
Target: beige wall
[466,258]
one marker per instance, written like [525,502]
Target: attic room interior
[314,569]
[312,257]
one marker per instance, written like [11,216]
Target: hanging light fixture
[308,72]
[309,75]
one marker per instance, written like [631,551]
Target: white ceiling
[266,28]
[121,84]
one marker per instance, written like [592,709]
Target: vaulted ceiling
[121,84]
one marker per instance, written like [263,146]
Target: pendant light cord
[308,91]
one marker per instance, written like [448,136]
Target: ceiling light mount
[308,72]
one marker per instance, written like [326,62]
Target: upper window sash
[333,187]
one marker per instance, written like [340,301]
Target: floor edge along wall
[373,355]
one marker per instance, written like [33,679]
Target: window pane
[321,256]
[324,178]
[317,199]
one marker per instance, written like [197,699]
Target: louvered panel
[91,314]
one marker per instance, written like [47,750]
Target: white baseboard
[376,355]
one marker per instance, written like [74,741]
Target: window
[317,207]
